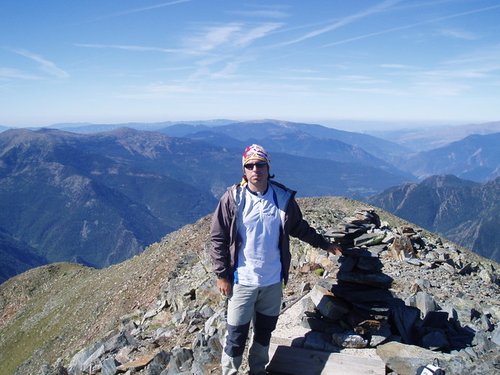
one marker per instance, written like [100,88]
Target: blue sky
[315,61]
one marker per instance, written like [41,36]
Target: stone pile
[358,309]
[393,289]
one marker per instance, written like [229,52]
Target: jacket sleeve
[301,229]
[220,237]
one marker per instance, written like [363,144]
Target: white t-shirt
[259,225]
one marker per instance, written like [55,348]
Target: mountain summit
[159,311]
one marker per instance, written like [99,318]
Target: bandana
[255,152]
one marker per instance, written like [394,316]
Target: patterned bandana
[255,152]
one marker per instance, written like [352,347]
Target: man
[251,256]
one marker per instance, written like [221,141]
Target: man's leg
[267,310]
[240,310]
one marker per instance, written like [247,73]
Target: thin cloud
[375,91]
[397,66]
[162,89]
[45,65]
[360,79]
[130,48]
[151,7]
[343,22]
[229,35]
[433,89]
[8,73]
[261,13]
[257,33]
[458,73]
[305,78]
[228,71]
[459,34]
[391,30]
[213,37]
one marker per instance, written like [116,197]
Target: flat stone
[408,359]
[425,303]
[436,319]
[327,304]
[371,264]
[369,239]
[320,325]
[401,248]
[349,340]
[435,340]
[136,364]
[378,280]
[108,367]
[357,293]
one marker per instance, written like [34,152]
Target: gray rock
[401,248]
[381,335]
[407,359]
[57,369]
[84,358]
[158,364]
[435,340]
[369,239]
[329,306]
[377,280]
[349,340]
[495,336]
[369,263]
[482,342]
[425,303]
[321,325]
[118,341]
[361,293]
[108,366]
[319,341]
[181,361]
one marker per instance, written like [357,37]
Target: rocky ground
[159,313]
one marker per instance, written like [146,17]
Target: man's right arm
[220,239]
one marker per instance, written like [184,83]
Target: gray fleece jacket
[224,232]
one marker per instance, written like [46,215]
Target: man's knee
[264,325]
[236,339]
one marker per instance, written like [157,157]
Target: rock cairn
[393,289]
[359,309]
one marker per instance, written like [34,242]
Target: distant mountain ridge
[123,189]
[464,211]
[87,198]
[476,157]
[425,138]
[100,198]
[308,140]
[16,256]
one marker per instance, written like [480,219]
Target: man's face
[256,172]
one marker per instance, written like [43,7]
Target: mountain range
[462,210]
[425,138]
[98,198]
[475,158]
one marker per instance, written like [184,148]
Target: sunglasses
[250,166]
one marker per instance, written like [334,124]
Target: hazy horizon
[341,124]
[385,61]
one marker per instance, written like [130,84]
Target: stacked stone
[358,310]
[355,309]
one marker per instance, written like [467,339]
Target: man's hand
[335,249]
[224,286]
